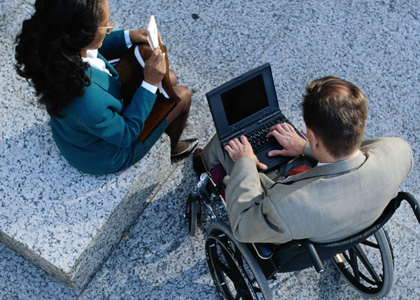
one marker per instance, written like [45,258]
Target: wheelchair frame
[241,270]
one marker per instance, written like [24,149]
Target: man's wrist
[304,146]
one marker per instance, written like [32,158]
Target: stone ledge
[65,221]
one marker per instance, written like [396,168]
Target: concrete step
[65,221]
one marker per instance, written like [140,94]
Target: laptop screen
[244,100]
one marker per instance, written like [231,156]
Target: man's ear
[312,136]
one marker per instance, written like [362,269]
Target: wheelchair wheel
[193,217]
[192,214]
[368,266]
[234,269]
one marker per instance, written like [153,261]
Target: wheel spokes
[232,266]
[227,266]
[354,264]
[356,255]
[235,275]
[370,244]
[369,267]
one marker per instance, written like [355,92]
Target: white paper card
[152,33]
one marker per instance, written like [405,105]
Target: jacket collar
[110,84]
[330,169]
[110,68]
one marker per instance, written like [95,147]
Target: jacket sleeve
[113,46]
[91,111]
[308,151]
[252,215]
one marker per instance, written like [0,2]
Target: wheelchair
[242,270]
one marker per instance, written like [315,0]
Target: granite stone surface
[65,221]
[371,43]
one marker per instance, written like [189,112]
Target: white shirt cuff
[127,38]
[149,87]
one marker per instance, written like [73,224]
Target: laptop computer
[247,105]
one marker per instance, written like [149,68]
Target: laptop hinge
[237,133]
[268,117]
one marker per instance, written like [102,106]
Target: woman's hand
[155,67]
[140,36]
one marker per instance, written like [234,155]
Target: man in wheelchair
[346,183]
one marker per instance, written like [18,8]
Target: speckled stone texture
[65,221]
[374,44]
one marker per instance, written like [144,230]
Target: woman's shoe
[192,143]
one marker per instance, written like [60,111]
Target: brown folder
[131,76]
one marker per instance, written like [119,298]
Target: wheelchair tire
[235,271]
[369,266]
[193,217]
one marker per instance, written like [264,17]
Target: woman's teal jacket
[97,134]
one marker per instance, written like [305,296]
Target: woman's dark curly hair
[48,49]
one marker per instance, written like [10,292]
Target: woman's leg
[177,118]
[172,78]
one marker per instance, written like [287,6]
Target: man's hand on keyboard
[242,148]
[292,143]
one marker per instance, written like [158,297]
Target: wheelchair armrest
[313,255]
[264,251]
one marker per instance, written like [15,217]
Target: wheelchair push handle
[412,201]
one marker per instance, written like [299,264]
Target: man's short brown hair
[336,110]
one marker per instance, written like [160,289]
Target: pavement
[373,44]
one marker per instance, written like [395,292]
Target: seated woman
[57,50]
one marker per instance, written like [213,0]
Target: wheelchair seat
[365,259]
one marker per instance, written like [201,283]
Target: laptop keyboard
[257,138]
